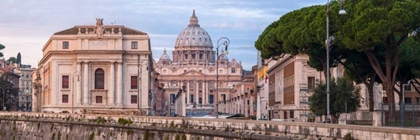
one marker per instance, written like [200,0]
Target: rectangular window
[408,88]
[172,98]
[191,98]
[385,100]
[65,98]
[417,100]
[211,84]
[134,45]
[200,100]
[224,97]
[233,70]
[200,85]
[65,82]
[285,115]
[65,45]
[193,56]
[292,114]
[247,102]
[98,99]
[192,84]
[134,82]
[311,82]
[211,99]
[407,100]
[133,99]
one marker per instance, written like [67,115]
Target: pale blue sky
[26,25]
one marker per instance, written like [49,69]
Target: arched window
[99,79]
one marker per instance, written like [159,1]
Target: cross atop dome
[193,19]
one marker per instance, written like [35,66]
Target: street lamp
[328,43]
[226,42]
[402,107]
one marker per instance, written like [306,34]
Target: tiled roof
[124,30]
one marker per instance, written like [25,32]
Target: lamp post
[226,42]
[402,108]
[328,43]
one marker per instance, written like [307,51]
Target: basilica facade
[93,67]
[194,64]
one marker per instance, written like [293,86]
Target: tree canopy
[19,58]
[342,92]
[5,84]
[381,24]
[11,60]
[372,30]
[1,48]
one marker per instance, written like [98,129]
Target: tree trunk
[401,92]
[371,100]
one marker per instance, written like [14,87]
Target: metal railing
[407,115]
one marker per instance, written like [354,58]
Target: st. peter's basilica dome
[193,35]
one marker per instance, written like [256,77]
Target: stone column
[111,97]
[188,91]
[204,92]
[196,92]
[119,85]
[215,93]
[86,84]
[79,84]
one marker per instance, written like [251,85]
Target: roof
[193,35]
[124,30]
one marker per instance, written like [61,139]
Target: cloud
[220,25]
[27,24]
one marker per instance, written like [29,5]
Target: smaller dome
[165,57]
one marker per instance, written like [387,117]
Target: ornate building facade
[193,65]
[94,67]
[25,87]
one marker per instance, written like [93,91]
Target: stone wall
[193,127]
[40,127]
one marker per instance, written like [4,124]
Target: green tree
[409,63]
[19,59]
[1,48]
[342,92]
[5,85]
[301,32]
[385,24]
[11,60]
[357,70]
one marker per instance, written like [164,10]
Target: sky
[26,25]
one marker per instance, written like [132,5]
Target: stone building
[240,99]
[94,68]
[289,82]
[193,64]
[25,87]
[260,82]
